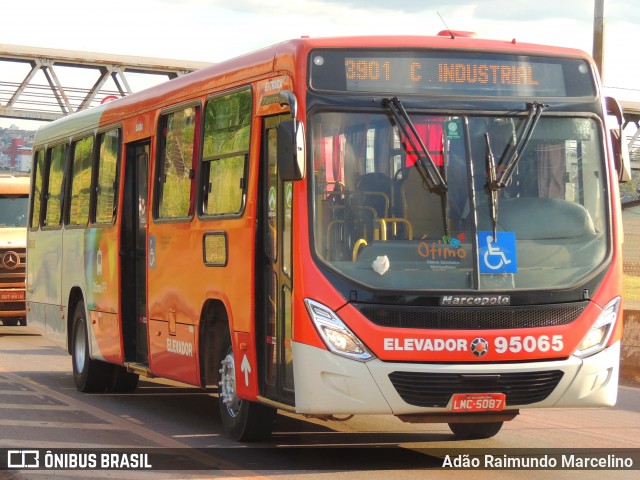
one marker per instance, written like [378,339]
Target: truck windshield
[13,210]
[380,221]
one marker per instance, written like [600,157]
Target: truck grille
[11,275]
[435,389]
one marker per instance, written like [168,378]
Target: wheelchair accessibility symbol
[497,255]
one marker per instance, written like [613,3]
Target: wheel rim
[80,346]
[228,386]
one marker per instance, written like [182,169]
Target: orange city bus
[427,227]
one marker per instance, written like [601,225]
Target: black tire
[475,431]
[10,322]
[243,421]
[123,381]
[89,375]
[23,321]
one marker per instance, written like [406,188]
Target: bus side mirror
[291,150]
[620,148]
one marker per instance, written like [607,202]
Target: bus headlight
[596,338]
[335,334]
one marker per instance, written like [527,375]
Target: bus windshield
[380,220]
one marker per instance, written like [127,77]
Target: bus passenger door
[133,253]
[274,281]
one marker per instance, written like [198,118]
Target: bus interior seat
[420,206]
[529,218]
[375,188]
[371,201]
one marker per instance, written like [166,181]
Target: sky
[214,30]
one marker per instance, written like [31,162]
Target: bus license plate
[478,402]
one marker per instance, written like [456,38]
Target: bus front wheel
[89,375]
[475,431]
[244,421]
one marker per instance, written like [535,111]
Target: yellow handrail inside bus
[357,246]
[383,226]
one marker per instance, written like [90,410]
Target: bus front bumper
[326,383]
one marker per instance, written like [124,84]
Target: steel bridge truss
[632,116]
[46,84]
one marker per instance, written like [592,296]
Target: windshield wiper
[425,162]
[508,161]
[493,191]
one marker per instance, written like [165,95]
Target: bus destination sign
[451,74]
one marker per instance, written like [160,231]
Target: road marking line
[20,406]
[219,464]
[45,424]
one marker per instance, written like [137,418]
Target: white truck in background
[14,204]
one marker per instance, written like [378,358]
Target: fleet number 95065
[541,343]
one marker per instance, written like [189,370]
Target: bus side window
[227,134]
[80,179]
[36,193]
[106,184]
[54,178]
[176,151]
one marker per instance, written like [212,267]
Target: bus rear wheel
[475,431]
[89,375]
[244,421]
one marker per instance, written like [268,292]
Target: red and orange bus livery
[421,226]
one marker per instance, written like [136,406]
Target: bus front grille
[472,318]
[435,389]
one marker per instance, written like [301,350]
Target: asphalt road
[40,410]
